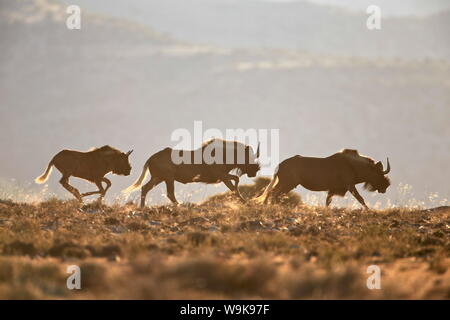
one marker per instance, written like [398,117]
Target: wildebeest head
[251,165]
[121,164]
[377,179]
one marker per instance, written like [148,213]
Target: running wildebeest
[336,174]
[91,165]
[211,163]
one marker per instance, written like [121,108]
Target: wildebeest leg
[108,183]
[100,191]
[266,200]
[236,183]
[279,190]
[147,187]
[269,194]
[358,197]
[170,184]
[65,183]
[234,187]
[276,194]
[273,194]
[90,193]
[329,198]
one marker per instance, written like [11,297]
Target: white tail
[41,179]
[263,198]
[139,181]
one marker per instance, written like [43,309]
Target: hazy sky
[118,84]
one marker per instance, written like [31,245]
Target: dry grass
[222,249]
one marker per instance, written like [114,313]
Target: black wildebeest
[92,166]
[336,174]
[211,163]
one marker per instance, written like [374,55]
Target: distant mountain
[289,24]
[118,83]
[419,8]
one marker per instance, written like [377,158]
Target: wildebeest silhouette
[92,165]
[336,174]
[162,167]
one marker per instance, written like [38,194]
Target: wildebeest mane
[106,149]
[354,154]
[223,142]
[224,145]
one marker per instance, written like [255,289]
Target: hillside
[298,25]
[418,8]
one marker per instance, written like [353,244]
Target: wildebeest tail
[262,198]
[46,174]
[139,181]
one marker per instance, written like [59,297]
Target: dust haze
[137,70]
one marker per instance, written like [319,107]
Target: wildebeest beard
[385,183]
[119,173]
[251,169]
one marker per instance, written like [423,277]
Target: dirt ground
[222,249]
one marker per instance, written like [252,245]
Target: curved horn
[388,169]
[257,151]
[129,152]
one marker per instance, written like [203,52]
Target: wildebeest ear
[129,152]
[379,165]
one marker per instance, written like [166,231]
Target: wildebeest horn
[257,150]
[129,152]
[388,169]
